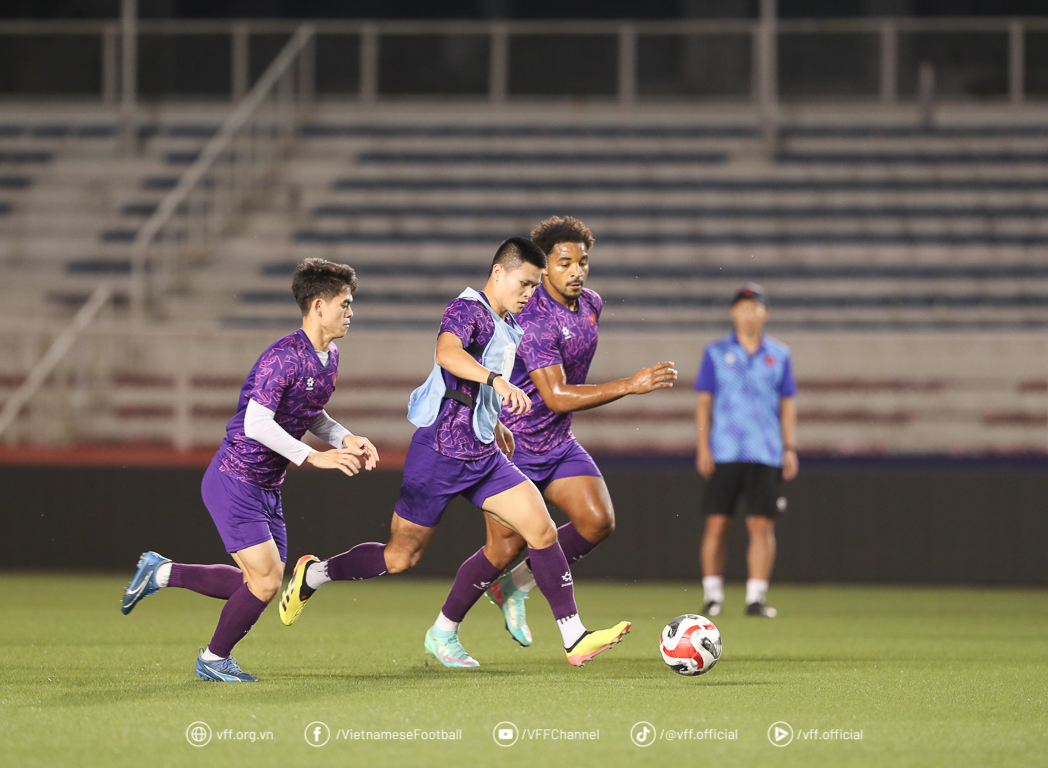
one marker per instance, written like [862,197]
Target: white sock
[317,575]
[163,574]
[756,590]
[522,577]
[446,624]
[571,629]
[713,588]
[208,656]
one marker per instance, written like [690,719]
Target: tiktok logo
[317,734]
[643,734]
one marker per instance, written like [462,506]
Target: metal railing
[198,210]
[43,368]
[228,172]
[178,387]
[631,44]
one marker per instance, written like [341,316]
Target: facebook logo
[317,734]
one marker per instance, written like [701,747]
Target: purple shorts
[244,515]
[432,480]
[566,460]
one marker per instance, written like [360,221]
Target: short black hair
[323,279]
[557,229]
[516,251]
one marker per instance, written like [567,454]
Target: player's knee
[599,526]
[760,526]
[717,525]
[546,537]
[502,552]
[400,560]
[266,587]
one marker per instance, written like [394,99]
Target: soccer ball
[690,645]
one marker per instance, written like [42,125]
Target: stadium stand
[861,227]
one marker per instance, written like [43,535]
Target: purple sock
[238,617]
[364,561]
[553,578]
[473,577]
[575,545]
[219,581]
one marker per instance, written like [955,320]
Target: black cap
[751,291]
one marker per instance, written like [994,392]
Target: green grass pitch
[929,676]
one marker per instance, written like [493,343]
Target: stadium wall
[963,524]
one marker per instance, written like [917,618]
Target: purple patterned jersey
[289,380]
[553,335]
[452,433]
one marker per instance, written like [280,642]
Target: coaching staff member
[746,420]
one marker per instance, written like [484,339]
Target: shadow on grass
[409,673]
[832,659]
[306,686]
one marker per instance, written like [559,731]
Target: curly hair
[320,278]
[566,229]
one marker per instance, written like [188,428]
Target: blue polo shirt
[747,392]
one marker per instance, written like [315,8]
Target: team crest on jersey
[730,358]
[769,360]
[593,318]
[566,332]
[309,384]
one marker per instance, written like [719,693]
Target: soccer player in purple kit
[561,326]
[460,448]
[283,396]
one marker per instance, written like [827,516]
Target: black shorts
[759,485]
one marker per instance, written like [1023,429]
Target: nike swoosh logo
[134,593]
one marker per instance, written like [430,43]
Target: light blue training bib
[499,355]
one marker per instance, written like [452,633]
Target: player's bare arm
[790,462]
[562,397]
[703,411]
[459,363]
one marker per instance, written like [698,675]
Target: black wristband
[491,377]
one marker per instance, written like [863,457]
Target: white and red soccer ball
[690,645]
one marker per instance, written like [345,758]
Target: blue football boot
[144,583]
[225,670]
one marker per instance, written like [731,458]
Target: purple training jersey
[452,433]
[553,335]
[289,380]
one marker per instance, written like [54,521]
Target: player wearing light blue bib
[561,324]
[460,449]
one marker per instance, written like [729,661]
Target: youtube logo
[780,734]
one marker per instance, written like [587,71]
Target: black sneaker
[711,609]
[760,609]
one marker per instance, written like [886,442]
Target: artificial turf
[929,676]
